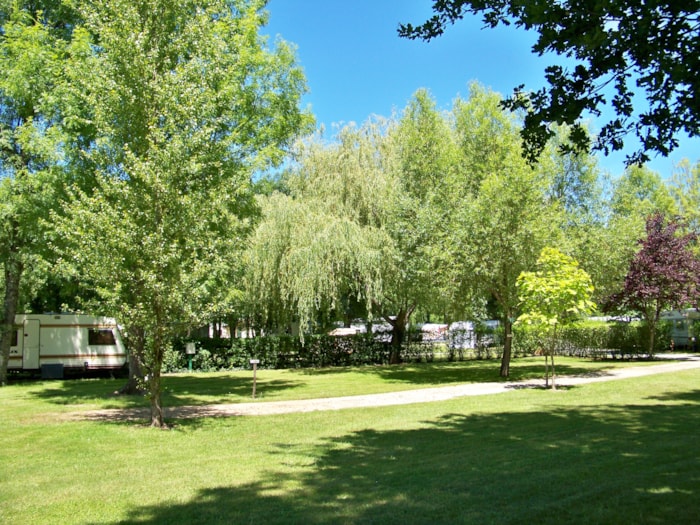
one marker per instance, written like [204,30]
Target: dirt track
[376,400]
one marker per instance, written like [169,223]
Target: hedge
[319,351]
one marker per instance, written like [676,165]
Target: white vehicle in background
[55,343]
[685,327]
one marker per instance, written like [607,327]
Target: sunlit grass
[284,385]
[615,452]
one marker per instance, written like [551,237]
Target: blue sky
[357,66]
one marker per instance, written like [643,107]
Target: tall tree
[32,51]
[638,193]
[685,189]
[664,274]
[424,154]
[654,45]
[187,101]
[501,224]
[557,292]
[367,208]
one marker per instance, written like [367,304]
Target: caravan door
[30,344]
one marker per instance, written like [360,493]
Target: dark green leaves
[620,47]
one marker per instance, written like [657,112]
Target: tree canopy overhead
[638,47]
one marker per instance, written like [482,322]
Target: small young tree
[663,275]
[557,292]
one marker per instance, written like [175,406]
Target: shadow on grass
[177,391]
[692,396]
[461,372]
[184,390]
[627,464]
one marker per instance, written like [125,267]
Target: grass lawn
[616,452]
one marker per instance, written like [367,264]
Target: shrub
[582,340]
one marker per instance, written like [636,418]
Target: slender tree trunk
[135,385]
[13,274]
[157,414]
[551,356]
[507,345]
[155,362]
[652,332]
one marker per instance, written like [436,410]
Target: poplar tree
[504,217]
[187,102]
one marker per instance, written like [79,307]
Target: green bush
[627,340]
[285,352]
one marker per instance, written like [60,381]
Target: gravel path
[425,395]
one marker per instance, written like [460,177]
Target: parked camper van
[56,343]
[685,327]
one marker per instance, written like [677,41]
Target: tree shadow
[690,397]
[184,390]
[455,373]
[622,464]
[177,391]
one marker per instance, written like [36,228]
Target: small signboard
[190,349]
[255,361]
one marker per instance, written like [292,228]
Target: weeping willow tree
[323,244]
[304,262]
[358,224]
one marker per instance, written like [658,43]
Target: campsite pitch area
[617,451]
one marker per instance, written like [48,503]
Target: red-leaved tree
[663,275]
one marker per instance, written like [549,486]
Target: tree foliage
[685,189]
[664,274]
[361,220]
[304,262]
[185,101]
[637,47]
[33,50]
[502,216]
[557,292]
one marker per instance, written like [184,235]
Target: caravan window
[101,337]
[15,338]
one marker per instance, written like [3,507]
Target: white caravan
[685,327]
[52,343]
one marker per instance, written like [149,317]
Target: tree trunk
[13,275]
[507,345]
[552,345]
[155,363]
[135,385]
[154,387]
[398,333]
[652,337]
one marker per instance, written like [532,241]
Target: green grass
[617,452]
[284,385]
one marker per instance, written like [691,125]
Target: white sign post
[254,362]
[190,350]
